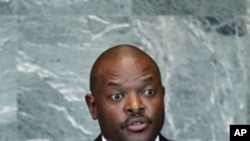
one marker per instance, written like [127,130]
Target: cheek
[155,107]
[108,113]
[157,113]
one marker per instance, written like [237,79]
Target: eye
[149,92]
[117,96]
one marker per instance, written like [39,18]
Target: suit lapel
[162,138]
[99,138]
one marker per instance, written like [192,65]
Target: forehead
[127,68]
[124,62]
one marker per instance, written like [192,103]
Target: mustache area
[136,120]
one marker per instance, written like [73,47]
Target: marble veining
[47,49]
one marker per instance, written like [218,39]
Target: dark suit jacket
[99,138]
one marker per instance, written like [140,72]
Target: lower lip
[139,127]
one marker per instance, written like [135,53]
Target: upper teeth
[136,123]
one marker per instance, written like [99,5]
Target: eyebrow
[114,84]
[149,79]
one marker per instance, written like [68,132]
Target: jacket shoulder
[162,138]
[99,138]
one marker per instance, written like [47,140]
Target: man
[127,95]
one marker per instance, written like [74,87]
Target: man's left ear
[90,100]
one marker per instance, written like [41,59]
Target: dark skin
[127,95]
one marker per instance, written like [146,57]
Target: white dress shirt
[157,138]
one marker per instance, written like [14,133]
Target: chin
[139,137]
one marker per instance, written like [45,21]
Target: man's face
[128,100]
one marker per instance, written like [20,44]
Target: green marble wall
[48,47]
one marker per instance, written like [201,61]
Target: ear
[163,90]
[90,100]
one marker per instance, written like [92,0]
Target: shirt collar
[157,138]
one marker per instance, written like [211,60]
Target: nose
[134,104]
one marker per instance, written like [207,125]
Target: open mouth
[137,124]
